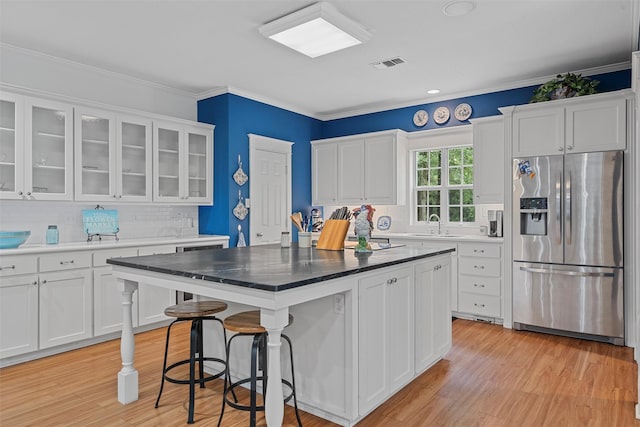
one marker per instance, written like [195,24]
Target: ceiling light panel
[316,30]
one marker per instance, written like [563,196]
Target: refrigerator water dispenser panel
[533,216]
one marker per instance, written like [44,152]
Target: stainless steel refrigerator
[568,245]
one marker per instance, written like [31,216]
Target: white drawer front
[15,265]
[100,258]
[482,305]
[480,285]
[489,267]
[479,250]
[65,261]
[153,250]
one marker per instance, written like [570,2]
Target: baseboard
[638,411]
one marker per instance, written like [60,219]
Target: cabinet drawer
[154,250]
[479,304]
[480,285]
[100,258]
[479,250]
[15,265]
[489,267]
[65,261]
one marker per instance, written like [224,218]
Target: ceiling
[205,46]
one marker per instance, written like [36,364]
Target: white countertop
[439,238]
[110,243]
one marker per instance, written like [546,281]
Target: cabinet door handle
[560,149]
[569,147]
[20,193]
[478,285]
[479,267]
[35,282]
[43,282]
[259,234]
[9,267]
[389,281]
[66,262]
[478,305]
[478,251]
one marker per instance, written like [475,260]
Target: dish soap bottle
[52,235]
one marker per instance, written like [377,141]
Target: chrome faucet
[438,219]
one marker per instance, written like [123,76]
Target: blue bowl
[13,239]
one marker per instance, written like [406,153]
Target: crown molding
[91,68]
[220,90]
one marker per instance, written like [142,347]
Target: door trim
[265,143]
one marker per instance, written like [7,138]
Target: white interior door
[269,188]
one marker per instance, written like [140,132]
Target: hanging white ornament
[239,176]
[240,211]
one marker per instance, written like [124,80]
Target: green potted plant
[564,86]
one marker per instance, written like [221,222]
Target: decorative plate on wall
[420,118]
[441,115]
[462,112]
[384,223]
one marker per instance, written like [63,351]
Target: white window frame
[443,139]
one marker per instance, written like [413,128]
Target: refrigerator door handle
[559,209]
[567,222]
[566,273]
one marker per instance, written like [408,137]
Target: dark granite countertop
[272,268]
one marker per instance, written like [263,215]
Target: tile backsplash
[136,221]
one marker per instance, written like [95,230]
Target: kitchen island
[389,301]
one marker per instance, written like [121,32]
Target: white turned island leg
[128,376]
[274,321]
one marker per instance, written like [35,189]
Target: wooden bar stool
[196,312]
[247,323]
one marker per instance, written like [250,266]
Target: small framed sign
[100,222]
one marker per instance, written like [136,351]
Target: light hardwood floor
[491,377]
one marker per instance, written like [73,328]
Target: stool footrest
[198,381]
[231,388]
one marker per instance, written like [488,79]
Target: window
[444,185]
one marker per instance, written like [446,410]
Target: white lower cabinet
[18,314]
[65,307]
[480,279]
[386,335]
[107,295]
[432,312]
[152,300]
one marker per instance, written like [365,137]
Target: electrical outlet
[338,303]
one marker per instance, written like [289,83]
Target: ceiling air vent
[388,63]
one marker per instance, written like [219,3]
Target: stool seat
[190,309]
[247,322]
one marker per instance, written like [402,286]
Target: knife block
[333,234]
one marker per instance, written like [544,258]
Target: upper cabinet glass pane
[197,165]
[95,155]
[48,145]
[7,146]
[168,162]
[133,160]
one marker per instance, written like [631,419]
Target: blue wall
[482,105]
[235,117]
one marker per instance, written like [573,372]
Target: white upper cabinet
[371,169]
[575,125]
[183,159]
[488,156]
[324,166]
[36,148]
[113,157]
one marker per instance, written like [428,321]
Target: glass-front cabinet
[36,155]
[113,157]
[183,162]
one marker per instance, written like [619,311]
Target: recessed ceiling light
[433,91]
[316,30]
[458,8]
